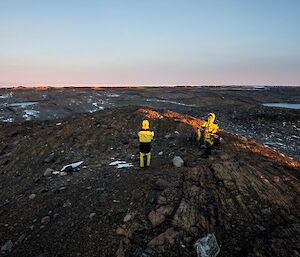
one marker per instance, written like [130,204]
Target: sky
[212,42]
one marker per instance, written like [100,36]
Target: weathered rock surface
[167,237]
[245,193]
[48,172]
[156,218]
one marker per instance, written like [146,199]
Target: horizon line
[125,85]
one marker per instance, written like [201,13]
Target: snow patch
[113,95]
[98,107]
[23,104]
[29,114]
[121,164]
[73,165]
[6,95]
[170,102]
[7,119]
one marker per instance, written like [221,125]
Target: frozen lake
[283,105]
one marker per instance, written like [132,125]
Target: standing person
[145,138]
[207,133]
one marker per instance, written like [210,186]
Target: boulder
[167,237]
[186,216]
[165,210]
[162,200]
[161,184]
[156,218]
[7,247]
[127,218]
[120,250]
[121,231]
[92,215]
[32,196]
[168,136]
[178,162]
[48,172]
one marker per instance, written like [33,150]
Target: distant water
[283,105]
[24,104]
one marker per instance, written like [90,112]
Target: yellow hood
[145,124]
[211,118]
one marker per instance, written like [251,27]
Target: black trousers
[145,147]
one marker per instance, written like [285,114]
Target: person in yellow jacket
[207,133]
[145,138]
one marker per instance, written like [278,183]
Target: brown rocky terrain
[244,193]
[239,110]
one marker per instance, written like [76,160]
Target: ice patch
[7,119]
[29,114]
[113,95]
[99,108]
[6,95]
[121,164]
[23,104]
[170,102]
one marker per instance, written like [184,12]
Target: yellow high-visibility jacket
[145,136]
[210,129]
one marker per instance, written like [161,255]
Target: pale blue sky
[150,42]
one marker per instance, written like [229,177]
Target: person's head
[211,117]
[145,124]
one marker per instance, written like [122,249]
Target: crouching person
[207,134]
[145,138]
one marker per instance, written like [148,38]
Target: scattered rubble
[244,192]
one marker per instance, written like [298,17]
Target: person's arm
[152,134]
[216,128]
[138,134]
[213,129]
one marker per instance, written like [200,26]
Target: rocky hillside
[244,193]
